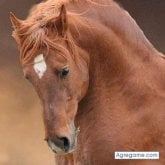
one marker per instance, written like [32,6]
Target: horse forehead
[40,65]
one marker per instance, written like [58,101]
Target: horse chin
[62,153]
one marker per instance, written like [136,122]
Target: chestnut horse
[94,70]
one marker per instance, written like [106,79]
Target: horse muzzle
[63,145]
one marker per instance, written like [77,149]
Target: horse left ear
[16,23]
[62,21]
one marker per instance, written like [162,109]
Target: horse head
[58,70]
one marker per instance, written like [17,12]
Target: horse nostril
[66,144]
[61,142]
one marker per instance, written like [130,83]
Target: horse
[99,79]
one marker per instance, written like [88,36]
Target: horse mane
[33,34]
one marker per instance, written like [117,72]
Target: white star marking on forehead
[40,65]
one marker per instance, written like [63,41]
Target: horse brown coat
[121,105]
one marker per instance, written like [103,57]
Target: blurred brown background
[21,127]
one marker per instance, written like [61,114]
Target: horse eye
[64,72]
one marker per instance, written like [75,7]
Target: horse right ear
[62,21]
[16,23]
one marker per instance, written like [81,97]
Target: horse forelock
[32,36]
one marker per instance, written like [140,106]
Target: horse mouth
[66,147]
[60,151]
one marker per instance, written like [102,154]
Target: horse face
[60,84]
[60,79]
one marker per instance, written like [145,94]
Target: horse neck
[114,53]
[110,57]
[107,65]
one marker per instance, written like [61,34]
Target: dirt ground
[21,127]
